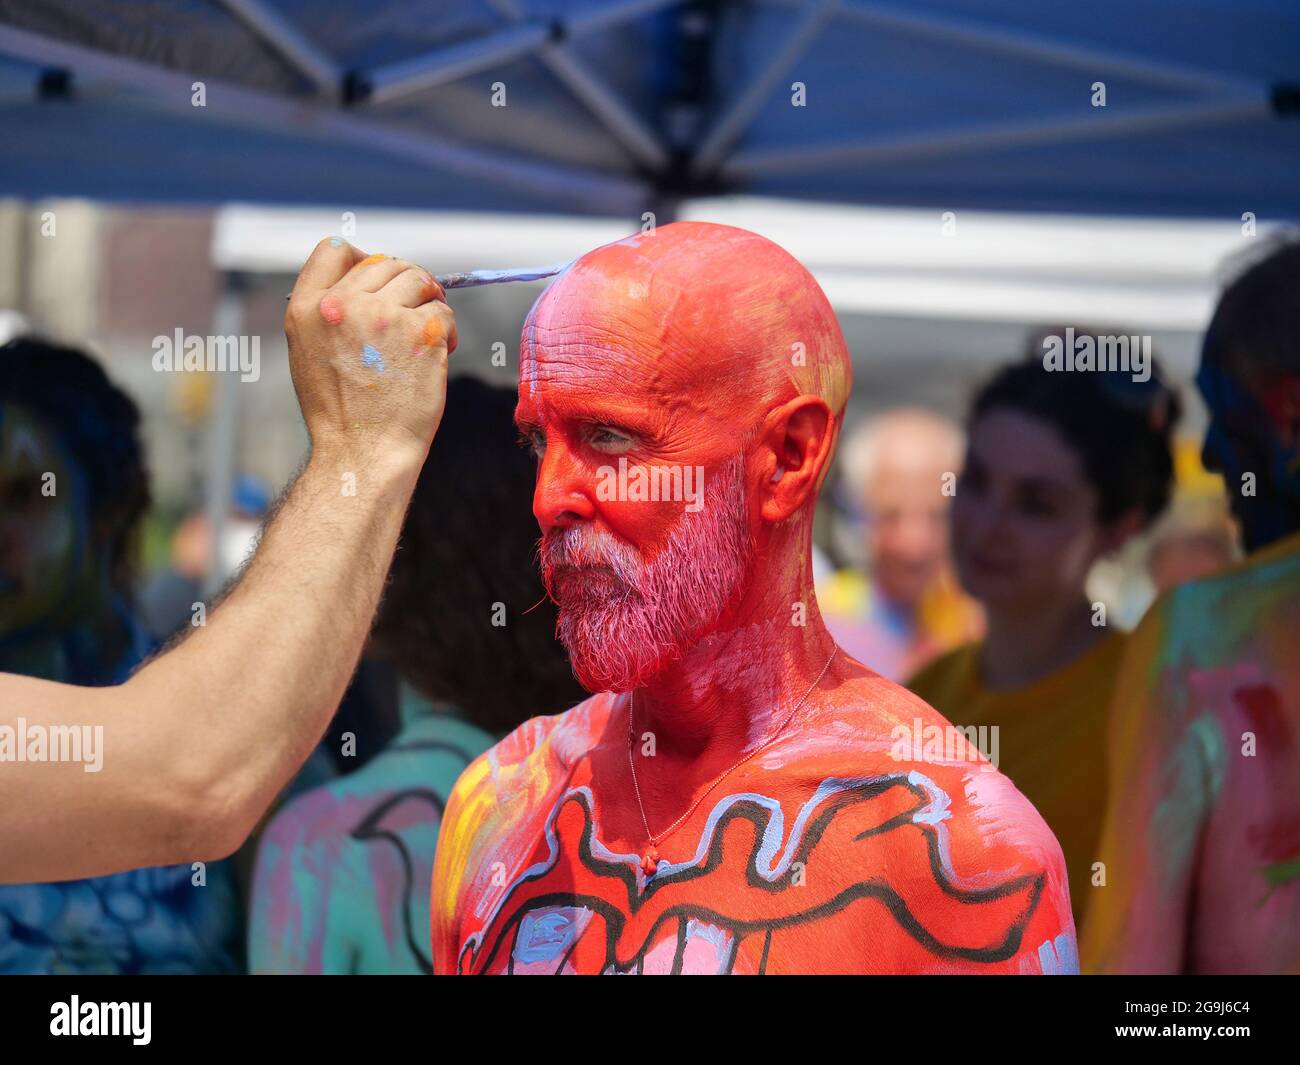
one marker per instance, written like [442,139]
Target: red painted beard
[623,619]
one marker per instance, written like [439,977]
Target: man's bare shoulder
[961,845]
[872,720]
[880,701]
[874,729]
[542,748]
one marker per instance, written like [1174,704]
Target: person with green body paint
[1199,869]
[343,871]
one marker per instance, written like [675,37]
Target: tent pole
[1036,46]
[624,124]
[733,122]
[637,138]
[285,38]
[421,73]
[995,135]
[587,191]
[443,65]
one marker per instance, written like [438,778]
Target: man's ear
[796,444]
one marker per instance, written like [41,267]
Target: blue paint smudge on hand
[371,357]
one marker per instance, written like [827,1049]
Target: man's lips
[588,579]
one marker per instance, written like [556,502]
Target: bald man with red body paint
[739,796]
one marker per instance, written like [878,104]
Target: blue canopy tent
[1176,108]
[617,106]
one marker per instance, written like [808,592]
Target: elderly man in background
[898,471]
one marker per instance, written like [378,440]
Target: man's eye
[603,438]
[533,440]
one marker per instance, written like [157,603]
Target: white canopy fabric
[611,108]
[1154,274]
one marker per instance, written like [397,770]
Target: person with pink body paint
[1199,868]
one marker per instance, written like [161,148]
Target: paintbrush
[496,277]
[473,278]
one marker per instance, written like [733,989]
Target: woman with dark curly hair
[73,489]
[1062,468]
[73,492]
[343,872]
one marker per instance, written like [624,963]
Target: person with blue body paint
[73,489]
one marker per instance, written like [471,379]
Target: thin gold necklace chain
[631,733]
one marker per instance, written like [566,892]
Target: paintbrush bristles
[496,277]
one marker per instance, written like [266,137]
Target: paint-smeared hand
[369,339]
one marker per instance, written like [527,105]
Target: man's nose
[562,496]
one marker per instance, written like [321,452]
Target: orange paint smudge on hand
[433,334]
[371,259]
[331,310]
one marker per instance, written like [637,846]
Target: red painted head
[683,390]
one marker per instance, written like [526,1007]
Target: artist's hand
[368,345]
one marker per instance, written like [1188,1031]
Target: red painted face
[644,372]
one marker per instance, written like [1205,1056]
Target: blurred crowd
[959,559]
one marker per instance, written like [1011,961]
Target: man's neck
[736,686]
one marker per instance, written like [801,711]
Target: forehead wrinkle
[611,349]
[587,398]
[661,348]
[631,300]
[572,383]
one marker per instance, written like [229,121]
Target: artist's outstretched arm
[200,740]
